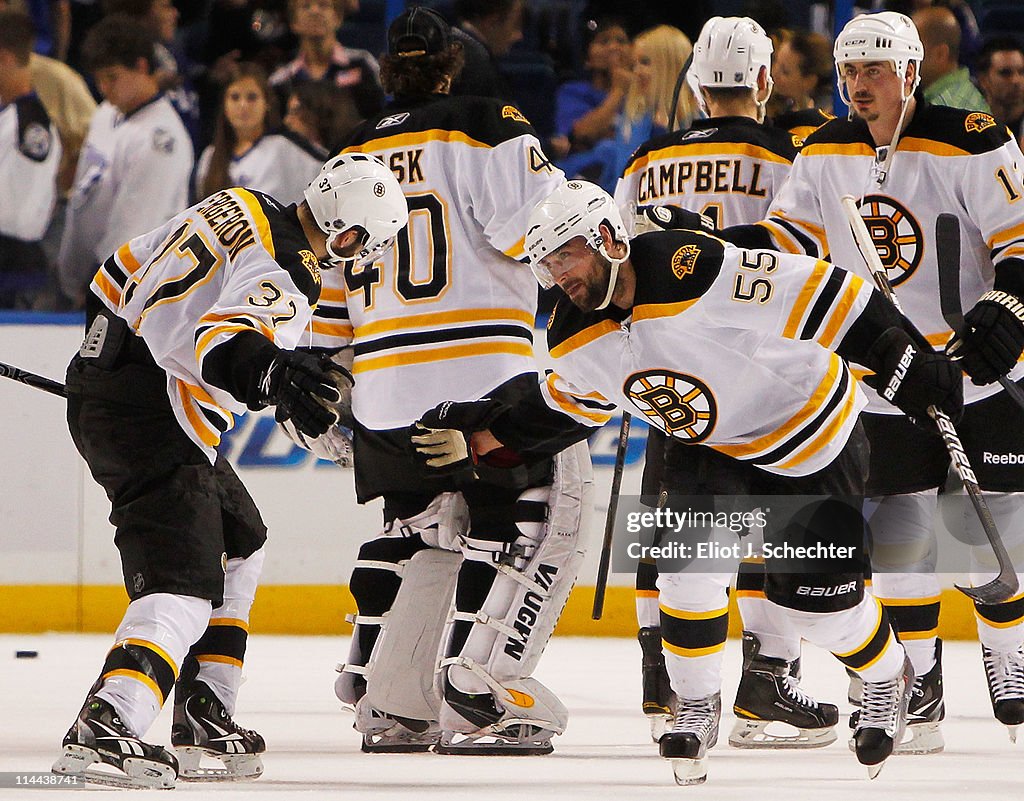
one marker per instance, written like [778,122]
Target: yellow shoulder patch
[798,142]
[311,263]
[978,122]
[512,113]
[684,260]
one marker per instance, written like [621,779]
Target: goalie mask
[730,52]
[357,190]
[576,208]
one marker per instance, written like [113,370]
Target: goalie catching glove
[913,377]
[668,217]
[441,437]
[306,389]
[992,339]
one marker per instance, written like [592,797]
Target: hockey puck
[26,654]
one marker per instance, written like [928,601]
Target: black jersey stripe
[446,335]
[826,297]
[116,274]
[331,312]
[806,242]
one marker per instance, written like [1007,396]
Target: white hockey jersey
[30,152]
[449,313]
[279,164]
[707,355]
[132,175]
[728,168]
[237,261]
[948,160]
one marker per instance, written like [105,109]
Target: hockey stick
[609,522]
[947,253]
[1003,586]
[33,380]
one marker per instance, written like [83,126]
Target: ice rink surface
[605,754]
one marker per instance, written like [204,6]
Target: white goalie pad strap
[531,609]
[440,525]
[366,620]
[380,564]
[401,679]
[345,667]
[498,625]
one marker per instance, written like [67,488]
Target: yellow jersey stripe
[692,652]
[140,677]
[440,354]
[230,621]
[518,250]
[443,319]
[845,149]
[841,311]
[868,639]
[332,329]
[584,337]
[931,599]
[804,299]
[262,223]
[199,423]
[565,401]
[816,231]
[915,144]
[128,261]
[216,331]
[683,614]
[108,288]
[706,149]
[1006,235]
[152,647]
[829,433]
[219,658]
[782,237]
[332,295]
[652,311]
[216,318]
[413,139]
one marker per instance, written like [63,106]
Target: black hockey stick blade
[947,256]
[32,380]
[609,523]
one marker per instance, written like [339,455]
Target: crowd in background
[114,114]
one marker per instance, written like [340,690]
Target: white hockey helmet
[358,190]
[730,51]
[885,36]
[576,208]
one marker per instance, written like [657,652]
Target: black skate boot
[883,716]
[99,737]
[659,702]
[1004,672]
[693,732]
[768,693]
[202,726]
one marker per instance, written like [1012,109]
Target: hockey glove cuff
[914,378]
[668,217]
[303,386]
[993,337]
[335,445]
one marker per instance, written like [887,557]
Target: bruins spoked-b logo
[896,234]
[680,404]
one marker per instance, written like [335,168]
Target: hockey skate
[1004,672]
[478,724]
[100,748]
[391,734]
[768,696]
[659,702]
[203,727]
[882,720]
[693,732]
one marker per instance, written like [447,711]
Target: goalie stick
[32,380]
[947,252]
[609,523]
[1004,585]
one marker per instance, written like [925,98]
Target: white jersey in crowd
[948,160]
[449,313]
[30,152]
[235,262]
[279,164]
[132,175]
[707,355]
[728,168]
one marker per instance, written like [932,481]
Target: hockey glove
[441,437]
[913,378]
[304,387]
[335,445]
[668,217]
[993,337]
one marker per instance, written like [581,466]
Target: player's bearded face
[874,89]
[581,272]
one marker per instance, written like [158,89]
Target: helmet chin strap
[613,275]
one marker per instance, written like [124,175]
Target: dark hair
[339,8]
[224,138]
[815,53]
[470,10]
[17,34]
[601,23]
[329,109]
[996,44]
[420,75]
[133,8]
[118,41]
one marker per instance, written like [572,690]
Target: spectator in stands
[29,157]
[322,114]
[134,170]
[970,34]
[1000,71]
[944,81]
[586,110]
[321,57]
[487,30]
[802,71]
[249,149]
[173,72]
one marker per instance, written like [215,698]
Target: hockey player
[451,314]
[907,161]
[734,164]
[189,325]
[666,325]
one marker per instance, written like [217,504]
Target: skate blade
[456,744]
[688,772]
[874,770]
[660,724]
[138,774]
[385,747]
[229,767]
[754,734]
[1012,731]
[924,738]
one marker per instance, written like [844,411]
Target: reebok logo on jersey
[1002,458]
[899,374]
[702,133]
[978,122]
[392,119]
[684,260]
